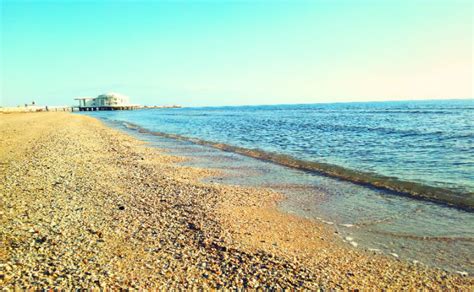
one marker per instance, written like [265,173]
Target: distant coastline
[35,108]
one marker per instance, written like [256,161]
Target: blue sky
[235,52]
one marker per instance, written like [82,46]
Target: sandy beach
[86,206]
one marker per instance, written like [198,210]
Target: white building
[106,100]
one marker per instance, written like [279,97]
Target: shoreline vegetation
[85,205]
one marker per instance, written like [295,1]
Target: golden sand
[85,206]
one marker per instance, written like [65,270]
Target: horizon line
[296,103]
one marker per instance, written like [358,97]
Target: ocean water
[431,143]
[349,165]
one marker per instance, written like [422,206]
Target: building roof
[113,94]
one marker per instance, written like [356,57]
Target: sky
[199,53]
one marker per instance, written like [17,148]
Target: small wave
[426,238]
[378,221]
[412,189]
[418,112]
[130,126]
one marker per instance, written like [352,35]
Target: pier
[107,108]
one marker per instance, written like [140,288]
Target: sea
[395,178]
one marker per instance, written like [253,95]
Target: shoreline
[328,201]
[89,206]
[418,191]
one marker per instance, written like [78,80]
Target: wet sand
[84,205]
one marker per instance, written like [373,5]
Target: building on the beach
[106,101]
[36,108]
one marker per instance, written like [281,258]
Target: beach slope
[84,205]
